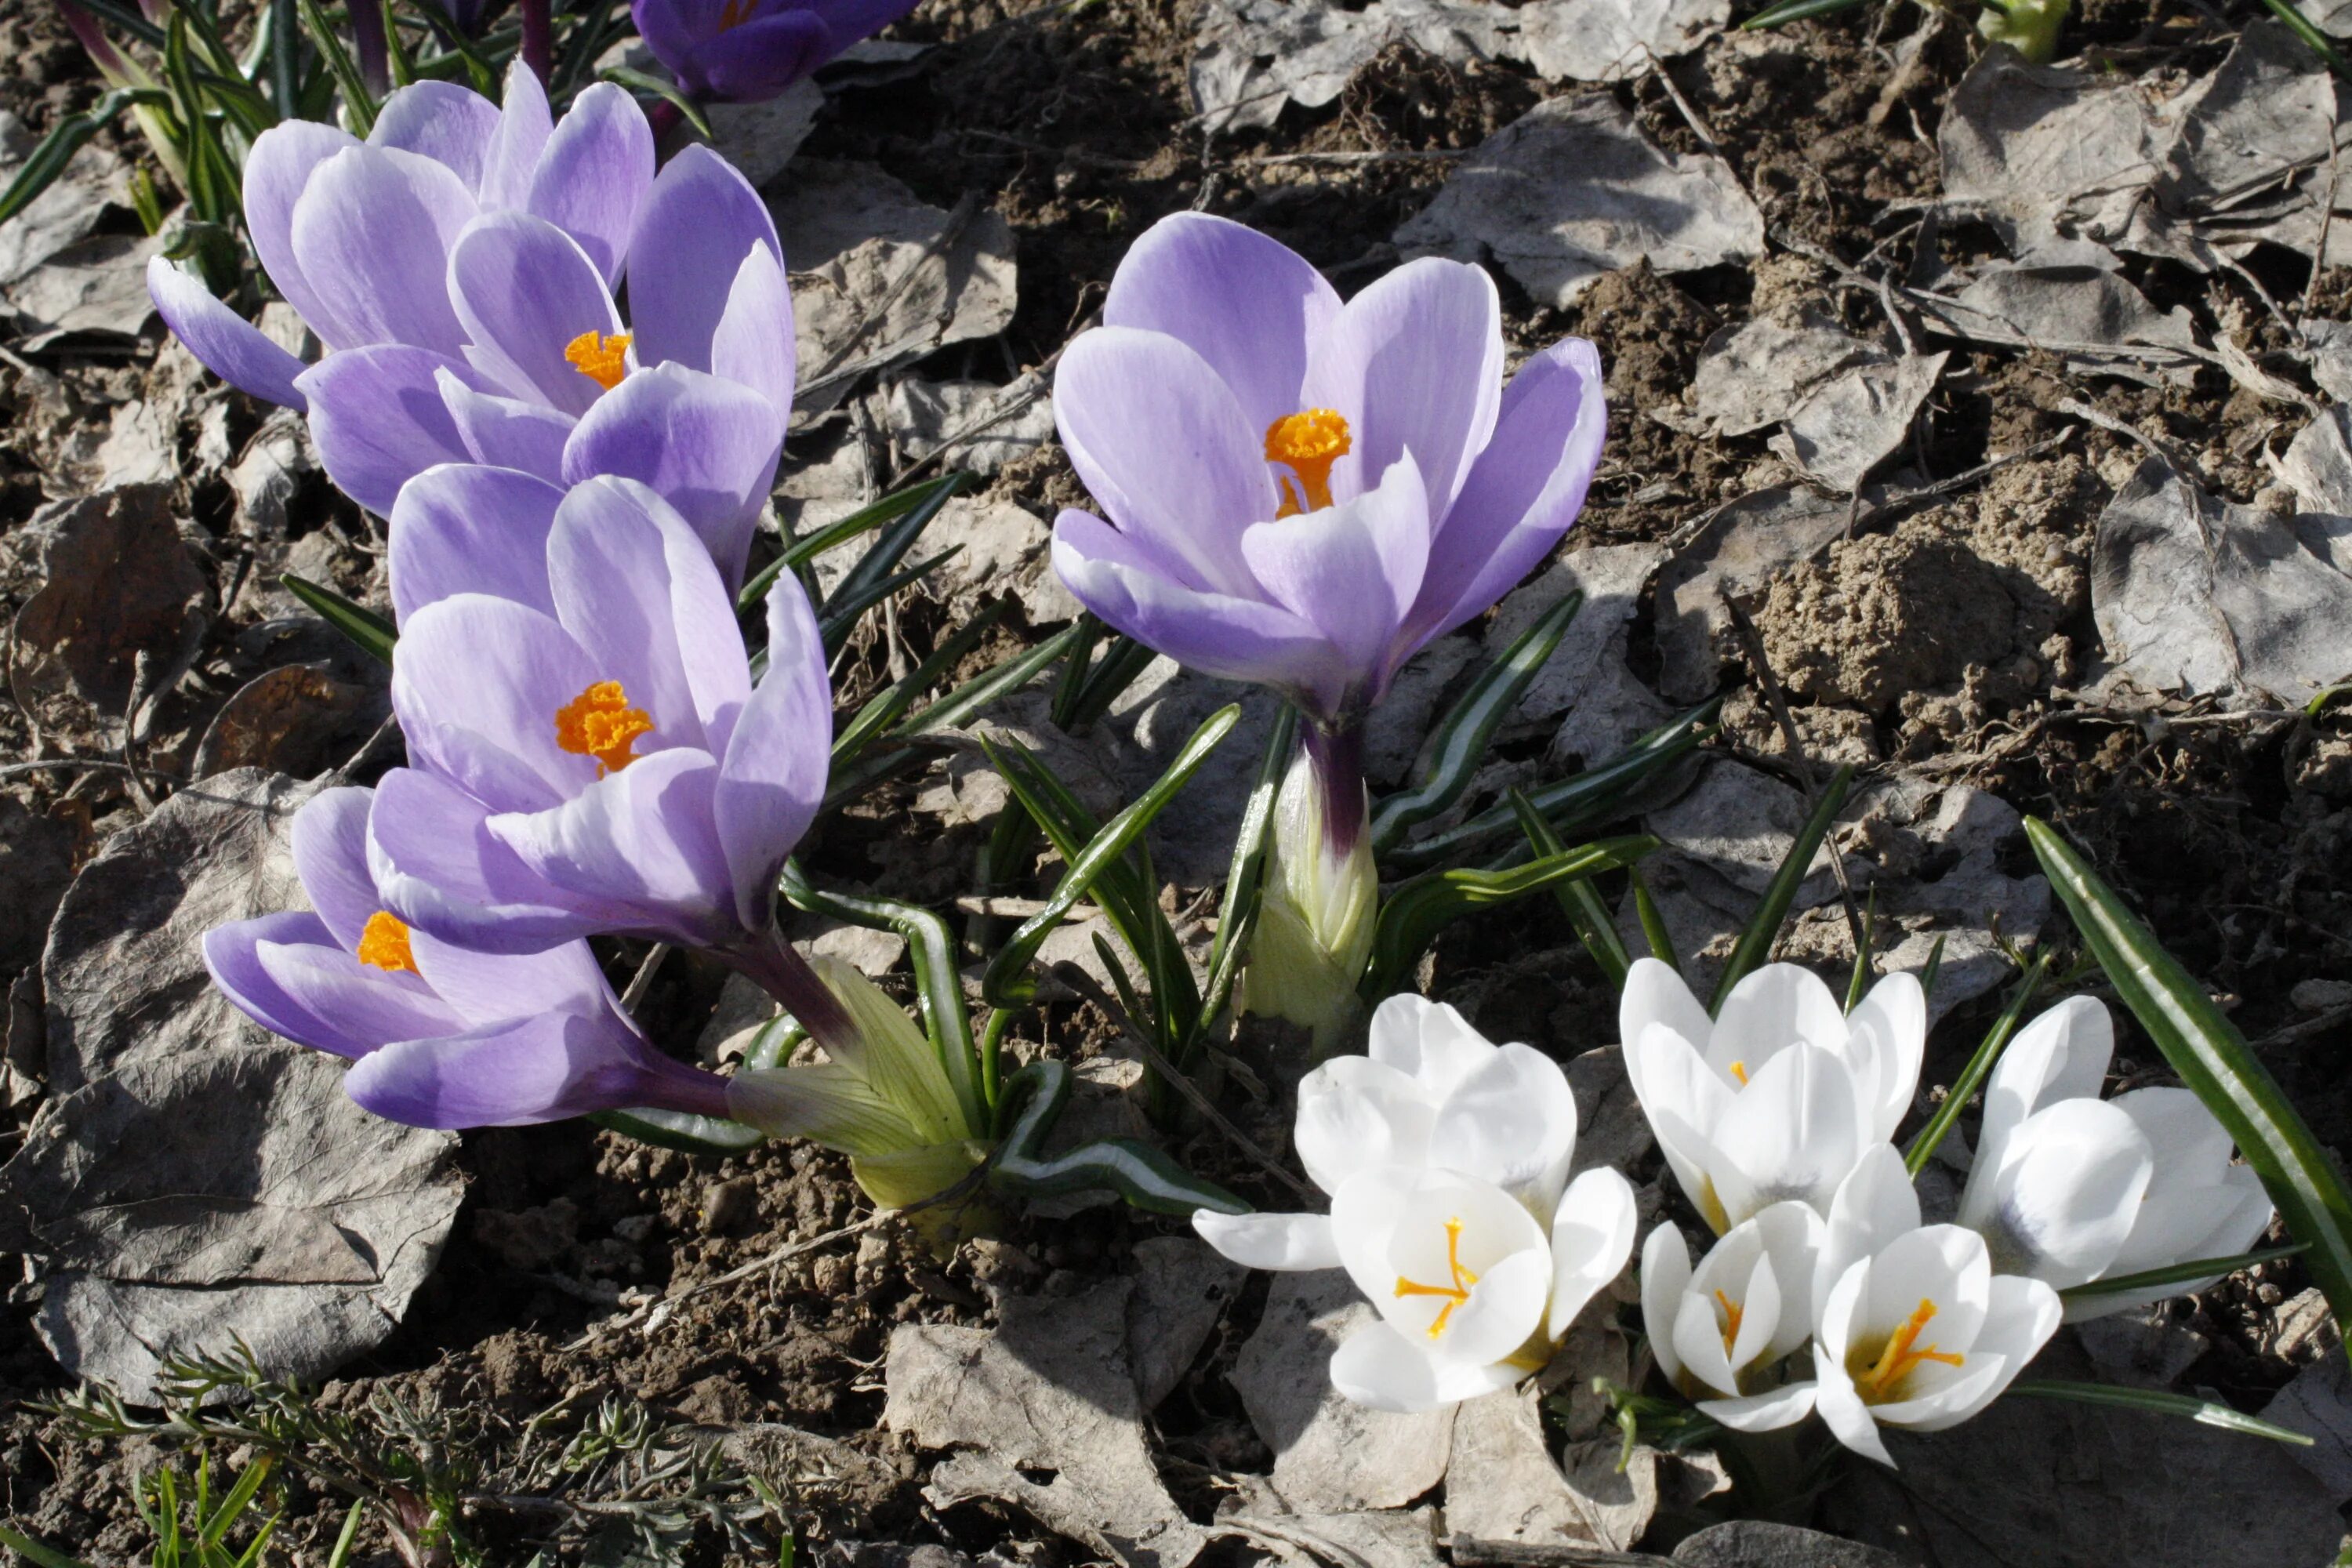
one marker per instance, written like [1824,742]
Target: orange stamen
[1307,444]
[1732,1313]
[383,944]
[600,723]
[1455,1293]
[602,359]
[1897,1360]
[1739,1072]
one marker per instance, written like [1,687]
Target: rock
[1574,189]
[1330,1456]
[1503,1488]
[1586,685]
[1760,1543]
[1050,1389]
[1182,1288]
[2141,1346]
[120,584]
[1741,550]
[760,139]
[2318,1404]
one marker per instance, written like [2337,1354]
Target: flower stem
[537,38]
[1336,757]
[673,1086]
[771,963]
[368,43]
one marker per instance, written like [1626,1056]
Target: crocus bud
[1321,903]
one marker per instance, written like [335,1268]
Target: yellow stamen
[1455,1293]
[1739,1072]
[1897,1359]
[735,13]
[1732,1313]
[383,944]
[600,723]
[602,359]
[1307,444]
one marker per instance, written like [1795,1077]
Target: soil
[1949,637]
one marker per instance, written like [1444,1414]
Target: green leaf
[1579,900]
[1659,941]
[938,987]
[35,1553]
[1009,982]
[842,607]
[1412,917]
[1788,11]
[48,160]
[348,1539]
[882,557]
[358,102]
[373,633]
[1979,1067]
[286,57]
[1144,1176]
[638,82]
[894,700]
[2203,1410]
[2212,1059]
[213,1530]
[678,1129]
[1755,943]
[1577,803]
[1245,876]
[1093,686]
[2189,1273]
[930,493]
[1460,742]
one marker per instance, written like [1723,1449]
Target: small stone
[1758,1543]
[2321,996]
[729,1206]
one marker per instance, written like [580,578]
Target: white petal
[1699,1342]
[1890,1029]
[1873,1205]
[2019,1316]
[1285,1243]
[1505,1310]
[1654,994]
[1665,1275]
[1765,1412]
[1683,1100]
[2191,1145]
[1793,1237]
[1450,1050]
[1381,1369]
[1760,1316]
[2061,1055]
[1511,1122]
[1591,1238]
[1776,1006]
[1794,1130]
[1941,1264]
[1842,1410]
[1355,1114]
[2064,1193]
[1364,1215]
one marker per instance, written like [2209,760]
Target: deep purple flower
[744,51]
[438,1036]
[461,267]
[589,750]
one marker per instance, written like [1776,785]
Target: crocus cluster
[1774,1117]
[459,267]
[744,51]
[1302,494]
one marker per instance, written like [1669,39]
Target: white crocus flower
[2072,1189]
[1778,1097]
[1914,1328]
[1725,1328]
[1446,1158]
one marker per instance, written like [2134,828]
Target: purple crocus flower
[438,1036]
[461,267]
[746,51]
[1303,493]
[589,752]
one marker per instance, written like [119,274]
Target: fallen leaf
[298,719]
[1182,1288]
[119,584]
[1256,55]
[1850,425]
[1611,40]
[95,288]
[94,179]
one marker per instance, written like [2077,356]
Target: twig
[642,980]
[790,1250]
[1394,155]
[1691,117]
[1079,981]
[95,764]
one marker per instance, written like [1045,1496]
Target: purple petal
[280,164]
[1161,441]
[486,987]
[1235,639]
[758,59]
[364,1006]
[371,234]
[329,845]
[1247,304]
[671,28]
[231,347]
[707,446]
[1350,569]
[771,780]
[379,419]
[523,292]
[613,566]
[593,178]
[524,125]
[536,1070]
[507,432]
[440,869]
[477,686]
[642,838]
[754,344]
[454,126]
[232,957]
[1523,492]
[464,529]
[1415,363]
[699,221]
[849,20]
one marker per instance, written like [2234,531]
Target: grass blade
[1755,943]
[2188,1273]
[48,160]
[1412,917]
[2204,1412]
[1578,899]
[35,1553]
[1246,878]
[640,82]
[1145,1177]
[1463,738]
[373,633]
[1653,924]
[880,713]
[1979,1067]
[1788,11]
[2212,1059]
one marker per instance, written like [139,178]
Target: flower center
[602,359]
[1898,1357]
[1306,442]
[1455,1293]
[735,13]
[383,944]
[600,723]
[1732,1312]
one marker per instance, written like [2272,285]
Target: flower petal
[440,870]
[365,1007]
[758,59]
[1775,1006]
[1381,1369]
[277,169]
[1591,1238]
[524,292]
[1655,993]
[372,235]
[495,738]
[330,849]
[2061,1055]
[1283,1243]
[524,125]
[1793,1237]
[1350,570]
[641,838]
[593,174]
[454,126]
[226,344]
[754,343]
[486,987]
[507,432]
[1248,304]
[546,1069]
[772,776]
[1511,1123]
[2064,1193]
[465,529]
[379,419]
[1665,1275]
[1429,1042]
[697,223]
[1875,1204]
[232,956]
[1887,1034]
[1794,1130]
[707,446]
[1355,1114]
[1768,1412]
